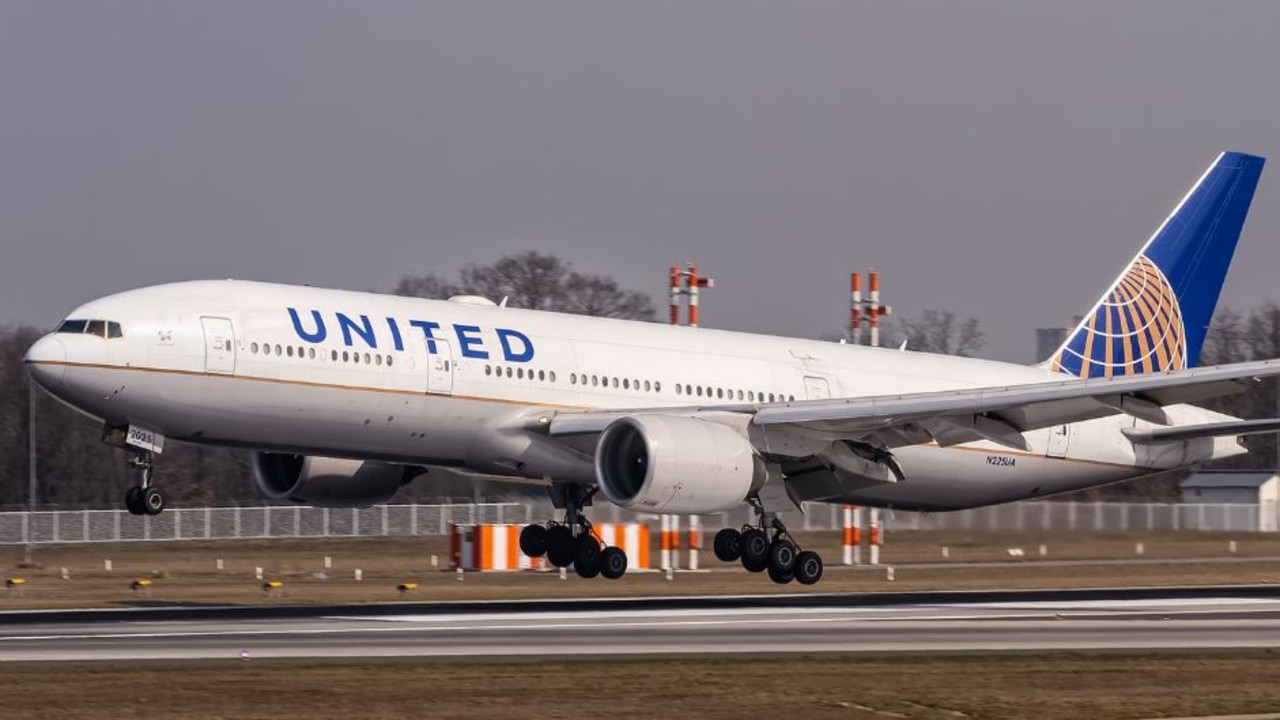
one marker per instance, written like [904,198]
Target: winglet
[1155,315]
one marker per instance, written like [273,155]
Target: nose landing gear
[572,542]
[780,555]
[144,498]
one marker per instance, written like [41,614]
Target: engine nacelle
[666,463]
[325,481]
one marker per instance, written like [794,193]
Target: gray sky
[999,159]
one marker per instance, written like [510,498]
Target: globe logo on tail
[1137,328]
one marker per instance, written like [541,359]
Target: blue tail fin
[1155,316]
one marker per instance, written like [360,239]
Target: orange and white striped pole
[666,543]
[674,288]
[855,308]
[852,552]
[675,542]
[695,540]
[876,537]
[693,295]
[873,312]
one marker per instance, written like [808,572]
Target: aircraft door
[816,388]
[1059,439]
[219,346]
[440,369]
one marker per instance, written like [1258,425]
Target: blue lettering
[427,328]
[465,342]
[315,337]
[505,336]
[364,330]
[395,333]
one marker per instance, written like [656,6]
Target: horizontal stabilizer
[1191,432]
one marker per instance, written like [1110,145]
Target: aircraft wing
[998,414]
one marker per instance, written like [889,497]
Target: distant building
[1244,488]
[1050,339]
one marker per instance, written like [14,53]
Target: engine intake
[666,463]
[325,481]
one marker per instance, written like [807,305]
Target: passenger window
[626,384]
[279,350]
[739,396]
[390,360]
[542,375]
[311,353]
[751,396]
[595,381]
[253,348]
[699,391]
[657,386]
[552,375]
[333,355]
[646,386]
[377,360]
[113,330]
[770,397]
[573,378]
[290,351]
[344,356]
[509,372]
[488,370]
[520,373]
[678,392]
[367,359]
[615,383]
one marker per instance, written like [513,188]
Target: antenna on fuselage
[505,298]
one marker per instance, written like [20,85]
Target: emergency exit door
[440,369]
[219,346]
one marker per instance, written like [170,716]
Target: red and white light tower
[685,283]
[869,310]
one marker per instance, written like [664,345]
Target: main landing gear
[573,543]
[779,556]
[145,498]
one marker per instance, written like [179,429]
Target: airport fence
[246,523]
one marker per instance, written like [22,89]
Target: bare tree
[536,281]
[939,331]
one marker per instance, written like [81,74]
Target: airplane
[343,397]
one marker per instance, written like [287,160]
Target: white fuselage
[425,382]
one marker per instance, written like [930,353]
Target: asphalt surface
[1141,619]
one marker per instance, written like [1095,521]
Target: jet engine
[665,463]
[325,481]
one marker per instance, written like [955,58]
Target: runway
[1175,619]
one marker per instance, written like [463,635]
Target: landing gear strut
[780,556]
[144,498]
[573,542]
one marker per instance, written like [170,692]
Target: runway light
[272,587]
[15,582]
[141,584]
[406,587]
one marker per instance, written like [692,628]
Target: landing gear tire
[613,563]
[133,501]
[561,546]
[782,577]
[808,568]
[782,555]
[755,550]
[587,570]
[152,501]
[587,551]
[728,545]
[533,541]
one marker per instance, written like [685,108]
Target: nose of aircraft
[45,361]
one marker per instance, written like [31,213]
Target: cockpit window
[101,328]
[72,326]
